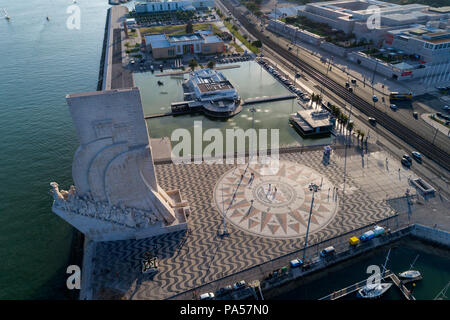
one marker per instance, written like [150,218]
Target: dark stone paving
[120,76]
[189,259]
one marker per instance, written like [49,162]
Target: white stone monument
[116,194]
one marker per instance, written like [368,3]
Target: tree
[189,27]
[211,64]
[257,43]
[192,64]
[350,126]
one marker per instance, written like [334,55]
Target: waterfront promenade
[115,74]
[200,256]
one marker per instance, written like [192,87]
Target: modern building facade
[209,91]
[311,123]
[168,5]
[201,42]
[429,44]
[352,16]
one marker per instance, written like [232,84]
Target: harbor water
[42,61]
[250,80]
[433,263]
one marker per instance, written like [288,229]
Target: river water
[42,61]
[433,263]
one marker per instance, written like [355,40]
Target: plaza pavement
[198,256]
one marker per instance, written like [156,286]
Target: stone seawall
[432,235]
[288,282]
[102,68]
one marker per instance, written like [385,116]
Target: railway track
[406,134]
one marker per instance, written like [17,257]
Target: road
[418,140]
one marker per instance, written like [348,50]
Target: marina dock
[176,73]
[186,107]
[389,275]
[268,99]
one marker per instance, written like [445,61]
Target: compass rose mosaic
[275,205]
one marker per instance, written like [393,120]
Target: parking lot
[284,80]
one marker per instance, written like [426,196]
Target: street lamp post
[314,188]
[225,232]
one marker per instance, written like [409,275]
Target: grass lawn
[241,38]
[235,45]
[439,121]
[177,30]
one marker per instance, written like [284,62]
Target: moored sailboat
[410,273]
[372,291]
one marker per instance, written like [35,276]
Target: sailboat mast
[412,264]
[385,263]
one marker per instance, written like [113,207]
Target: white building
[169,5]
[213,92]
[427,43]
[211,85]
[355,16]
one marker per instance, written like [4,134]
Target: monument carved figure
[116,194]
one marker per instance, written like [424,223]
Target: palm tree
[313,98]
[358,132]
[211,64]
[192,64]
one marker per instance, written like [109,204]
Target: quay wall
[104,59]
[433,235]
[320,264]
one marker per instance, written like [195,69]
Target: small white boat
[7,17]
[374,291]
[410,274]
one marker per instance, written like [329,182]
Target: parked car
[446,108]
[366,236]
[375,99]
[406,163]
[378,231]
[239,285]
[372,121]
[353,241]
[417,155]
[415,115]
[350,89]
[223,291]
[296,263]
[407,157]
[393,106]
[207,296]
[329,251]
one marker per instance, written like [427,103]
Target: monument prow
[116,194]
